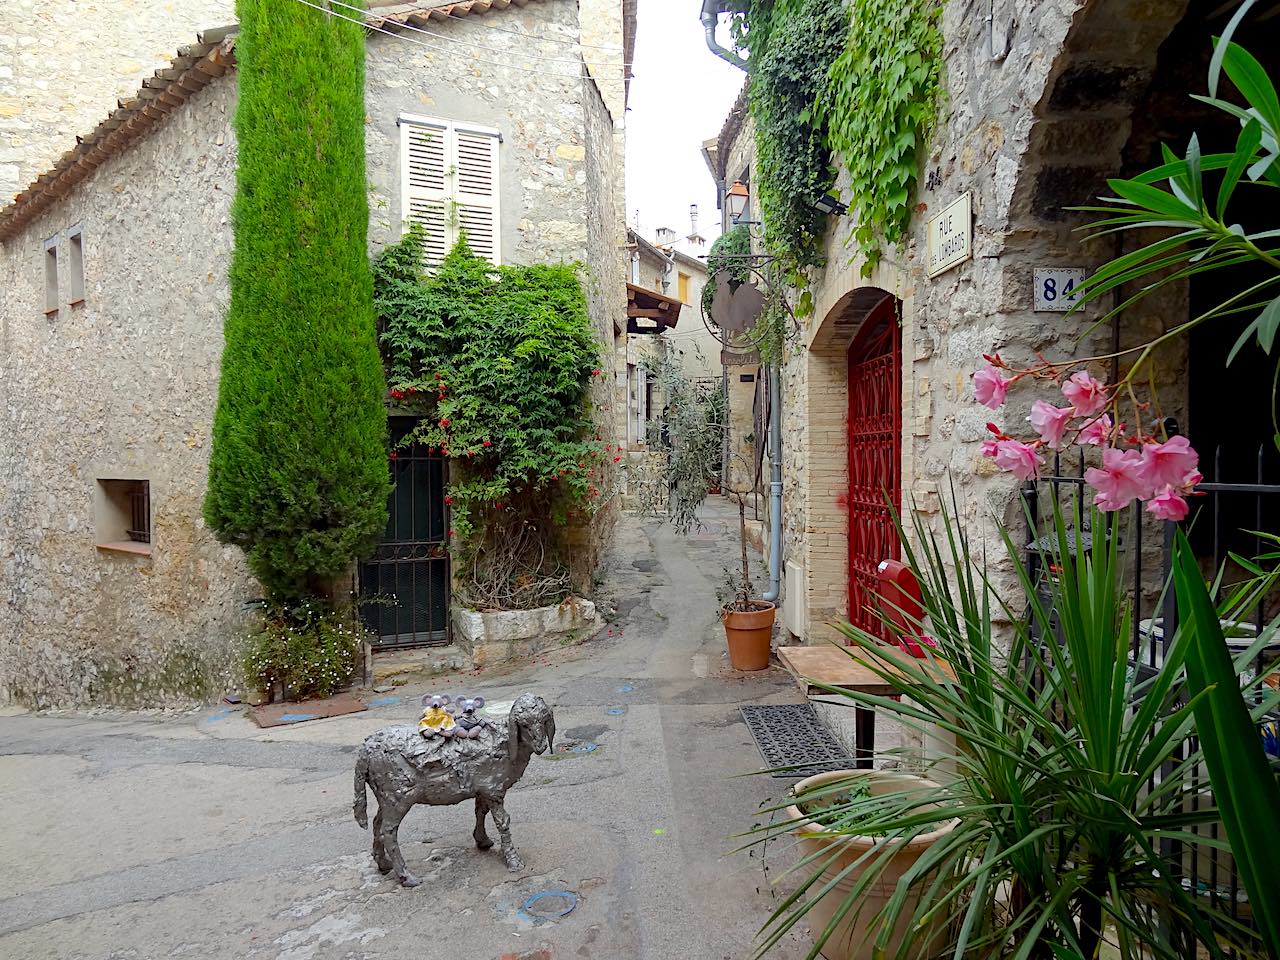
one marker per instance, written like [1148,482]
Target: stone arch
[825,483]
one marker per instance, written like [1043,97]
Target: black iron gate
[405,585]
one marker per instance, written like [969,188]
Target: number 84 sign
[1054,288]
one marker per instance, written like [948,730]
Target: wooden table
[846,668]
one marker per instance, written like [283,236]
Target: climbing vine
[498,363]
[859,90]
[731,251]
[879,107]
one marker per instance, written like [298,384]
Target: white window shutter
[449,178]
[424,176]
[476,180]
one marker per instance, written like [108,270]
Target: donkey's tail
[360,805]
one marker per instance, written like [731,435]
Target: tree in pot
[689,440]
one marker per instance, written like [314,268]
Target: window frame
[75,263]
[52,287]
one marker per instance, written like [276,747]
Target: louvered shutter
[476,166]
[451,185]
[424,165]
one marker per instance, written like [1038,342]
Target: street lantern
[829,205]
[736,200]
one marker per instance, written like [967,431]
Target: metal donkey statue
[405,765]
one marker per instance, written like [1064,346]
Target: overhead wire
[470,58]
[533,36]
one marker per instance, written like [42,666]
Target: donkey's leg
[502,820]
[482,838]
[379,852]
[389,834]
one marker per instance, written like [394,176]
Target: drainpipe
[775,484]
[710,19]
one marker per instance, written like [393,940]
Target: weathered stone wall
[123,386]
[64,63]
[1028,127]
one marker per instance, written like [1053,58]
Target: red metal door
[875,471]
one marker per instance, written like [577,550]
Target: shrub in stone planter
[306,650]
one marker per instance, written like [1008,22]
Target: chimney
[693,219]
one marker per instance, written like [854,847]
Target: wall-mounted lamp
[830,206]
[735,199]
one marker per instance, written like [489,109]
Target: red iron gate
[875,470]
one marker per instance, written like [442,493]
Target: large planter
[493,637]
[750,634]
[855,936]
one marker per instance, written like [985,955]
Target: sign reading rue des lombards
[950,235]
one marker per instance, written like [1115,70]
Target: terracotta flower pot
[749,634]
[854,937]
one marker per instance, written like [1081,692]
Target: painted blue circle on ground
[582,748]
[548,905]
[616,711]
[626,688]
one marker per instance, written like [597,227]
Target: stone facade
[124,385]
[63,65]
[1043,101]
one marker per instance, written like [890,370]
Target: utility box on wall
[793,610]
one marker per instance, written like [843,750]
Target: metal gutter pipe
[775,484]
[710,19]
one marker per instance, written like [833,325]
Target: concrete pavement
[205,836]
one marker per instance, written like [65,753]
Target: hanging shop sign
[1054,288]
[950,235]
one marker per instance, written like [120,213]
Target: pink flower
[1168,463]
[1087,395]
[1119,480]
[1018,458]
[990,448]
[1168,505]
[1050,422]
[989,388]
[1095,432]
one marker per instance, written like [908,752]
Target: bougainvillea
[498,364]
[1135,463]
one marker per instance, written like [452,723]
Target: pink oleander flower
[989,448]
[1050,422]
[1018,458]
[1169,464]
[1095,432]
[1087,395]
[1168,504]
[989,388]
[1119,480]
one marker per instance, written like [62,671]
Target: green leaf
[1244,786]
[1264,326]
[1153,199]
[1252,81]
[1246,149]
[1220,45]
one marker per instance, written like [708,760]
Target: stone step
[418,663]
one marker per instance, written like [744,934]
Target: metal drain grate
[790,735]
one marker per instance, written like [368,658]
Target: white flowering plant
[309,648]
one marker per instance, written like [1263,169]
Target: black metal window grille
[1219,524]
[139,530]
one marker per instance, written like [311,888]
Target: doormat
[793,742]
[281,714]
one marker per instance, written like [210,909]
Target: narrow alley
[206,836]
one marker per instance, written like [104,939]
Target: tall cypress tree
[298,476]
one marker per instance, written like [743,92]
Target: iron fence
[1224,523]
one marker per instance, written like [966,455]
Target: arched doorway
[875,455]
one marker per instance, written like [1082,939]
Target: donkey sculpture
[403,768]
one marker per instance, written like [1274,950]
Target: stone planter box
[493,637]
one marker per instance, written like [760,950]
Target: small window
[51,276]
[122,515]
[684,288]
[75,266]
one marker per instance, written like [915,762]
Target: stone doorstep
[419,662]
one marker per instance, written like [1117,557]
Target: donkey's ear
[513,735]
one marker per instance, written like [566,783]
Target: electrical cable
[533,36]
[448,39]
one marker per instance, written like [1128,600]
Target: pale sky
[680,96]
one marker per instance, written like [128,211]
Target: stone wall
[123,387]
[1028,125]
[64,64]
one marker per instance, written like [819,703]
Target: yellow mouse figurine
[437,719]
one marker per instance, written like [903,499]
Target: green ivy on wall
[730,252]
[879,107]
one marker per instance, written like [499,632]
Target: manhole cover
[548,905]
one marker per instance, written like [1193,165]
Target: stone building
[113,272]
[1043,101]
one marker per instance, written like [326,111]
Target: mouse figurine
[437,720]
[469,725]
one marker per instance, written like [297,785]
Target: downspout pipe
[710,20]
[775,485]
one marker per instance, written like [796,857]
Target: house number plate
[1055,288]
